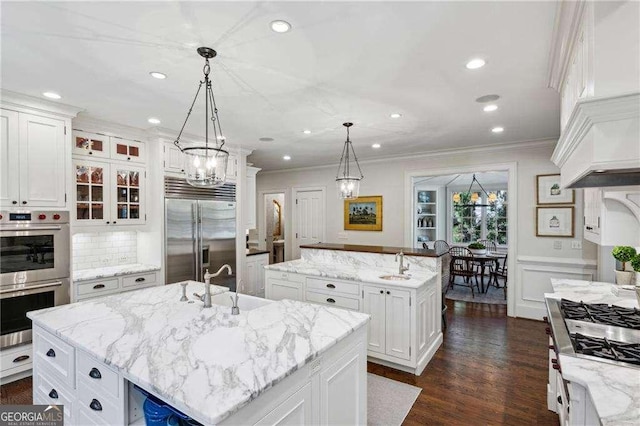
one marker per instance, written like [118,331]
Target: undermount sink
[394,277]
[245,302]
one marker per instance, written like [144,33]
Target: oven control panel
[33,217]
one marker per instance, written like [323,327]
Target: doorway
[274,220]
[309,217]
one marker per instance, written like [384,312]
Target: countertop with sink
[212,363]
[352,273]
[112,271]
[614,390]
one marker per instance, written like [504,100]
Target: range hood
[600,145]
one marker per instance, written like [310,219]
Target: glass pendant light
[205,165]
[348,186]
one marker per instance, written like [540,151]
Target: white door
[375,304]
[251,277]
[310,218]
[263,261]
[398,324]
[42,165]
[127,194]
[9,159]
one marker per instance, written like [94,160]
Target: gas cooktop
[601,313]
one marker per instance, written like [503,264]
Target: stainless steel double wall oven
[34,269]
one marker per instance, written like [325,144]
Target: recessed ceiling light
[280,26]
[497,129]
[487,98]
[51,95]
[286,157]
[306,132]
[153,120]
[158,75]
[376,146]
[395,115]
[490,108]
[476,63]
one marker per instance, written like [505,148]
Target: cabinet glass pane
[82,211]
[122,178]
[134,211]
[96,193]
[121,149]
[96,145]
[122,195]
[82,174]
[134,151]
[82,143]
[134,179]
[82,192]
[96,175]
[134,195]
[122,211]
[97,211]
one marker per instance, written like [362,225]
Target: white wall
[387,178]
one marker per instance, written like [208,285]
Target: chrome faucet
[401,268]
[234,305]
[207,284]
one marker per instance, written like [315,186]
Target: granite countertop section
[112,271]
[345,272]
[614,390]
[206,363]
[253,252]
[375,249]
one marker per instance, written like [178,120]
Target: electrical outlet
[557,245]
[577,245]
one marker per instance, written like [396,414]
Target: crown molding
[438,153]
[588,112]
[26,103]
[565,32]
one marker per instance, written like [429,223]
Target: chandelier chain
[177,141]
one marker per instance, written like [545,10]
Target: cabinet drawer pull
[381,291]
[95,373]
[21,358]
[53,394]
[330,300]
[24,202]
[14,202]
[51,353]
[95,405]
[139,280]
[98,286]
[331,286]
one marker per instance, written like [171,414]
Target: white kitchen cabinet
[89,289]
[390,325]
[296,410]
[284,285]
[173,159]
[108,193]
[98,145]
[33,161]
[261,261]
[15,362]
[608,218]
[232,168]
[375,305]
[254,282]
[127,150]
[250,210]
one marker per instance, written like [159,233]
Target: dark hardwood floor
[490,370]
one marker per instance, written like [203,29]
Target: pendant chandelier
[491,197]
[205,165]
[348,186]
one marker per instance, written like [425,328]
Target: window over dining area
[478,216]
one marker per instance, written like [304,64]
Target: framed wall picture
[549,192]
[363,214]
[554,221]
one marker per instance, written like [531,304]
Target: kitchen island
[402,294]
[598,392]
[275,361]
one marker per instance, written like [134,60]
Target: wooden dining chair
[462,265]
[500,272]
[441,246]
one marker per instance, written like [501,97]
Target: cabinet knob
[381,291]
[95,373]
[95,405]
[108,222]
[14,202]
[114,222]
[51,353]
[53,394]
[24,202]
[90,153]
[388,292]
[128,158]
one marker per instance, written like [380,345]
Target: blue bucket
[158,413]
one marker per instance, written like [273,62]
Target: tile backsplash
[101,249]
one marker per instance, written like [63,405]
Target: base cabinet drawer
[138,280]
[55,357]
[16,359]
[47,390]
[96,288]
[333,285]
[333,300]
[94,405]
[278,290]
[97,376]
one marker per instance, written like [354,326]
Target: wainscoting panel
[534,277]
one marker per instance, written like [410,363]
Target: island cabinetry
[390,324]
[255,275]
[333,292]
[284,285]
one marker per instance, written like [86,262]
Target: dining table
[483,260]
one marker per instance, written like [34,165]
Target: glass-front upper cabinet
[128,195]
[127,150]
[92,191]
[93,144]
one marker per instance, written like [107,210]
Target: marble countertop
[345,272]
[204,362]
[614,390]
[112,271]
[409,251]
[254,251]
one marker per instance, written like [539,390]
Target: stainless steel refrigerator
[200,235]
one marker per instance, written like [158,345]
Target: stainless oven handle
[35,228]
[33,287]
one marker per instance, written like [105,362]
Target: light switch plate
[557,245]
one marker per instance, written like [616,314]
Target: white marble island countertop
[352,273]
[112,271]
[614,390]
[204,362]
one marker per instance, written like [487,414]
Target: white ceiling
[341,62]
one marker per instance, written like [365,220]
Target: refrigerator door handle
[196,239]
